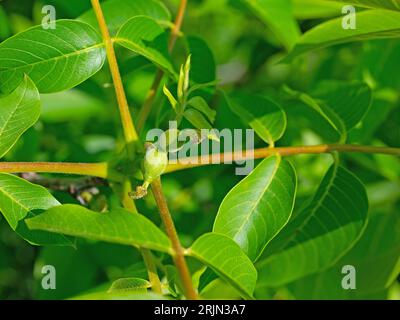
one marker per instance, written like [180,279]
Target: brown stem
[178,24]
[148,103]
[148,259]
[192,162]
[179,258]
[127,123]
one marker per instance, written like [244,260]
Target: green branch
[192,162]
[100,170]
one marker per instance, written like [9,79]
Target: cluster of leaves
[289,71]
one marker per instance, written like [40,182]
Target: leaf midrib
[316,207]
[65,56]
[124,240]
[15,109]
[276,167]
[8,195]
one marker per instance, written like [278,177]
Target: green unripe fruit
[154,164]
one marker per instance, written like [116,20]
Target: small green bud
[154,164]
[183,81]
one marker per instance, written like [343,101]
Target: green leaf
[170,96]
[201,105]
[117,226]
[259,206]
[203,68]
[129,285]
[313,9]
[183,81]
[323,110]
[227,259]
[55,59]
[375,257]
[18,112]
[196,119]
[381,69]
[342,104]
[262,114]
[117,12]
[278,17]
[120,296]
[350,101]
[20,199]
[144,36]
[206,278]
[320,234]
[385,4]
[371,24]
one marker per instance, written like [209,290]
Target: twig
[85,169]
[179,258]
[148,103]
[192,162]
[127,123]
[129,132]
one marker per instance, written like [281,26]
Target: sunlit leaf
[20,199]
[18,112]
[387,4]
[129,285]
[145,36]
[313,9]
[117,226]
[370,24]
[117,12]
[259,206]
[226,258]
[55,59]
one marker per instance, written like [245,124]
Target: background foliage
[244,45]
